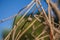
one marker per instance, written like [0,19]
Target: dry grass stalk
[19,30]
[35,29]
[37,18]
[49,22]
[18,22]
[40,34]
[47,18]
[57,36]
[44,31]
[26,29]
[49,9]
[15,28]
[39,26]
[44,37]
[17,35]
[22,19]
[49,15]
[8,35]
[33,11]
[58,31]
[56,9]
[14,31]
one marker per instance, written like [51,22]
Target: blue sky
[11,7]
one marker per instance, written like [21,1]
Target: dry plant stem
[56,24]
[37,7]
[49,15]
[14,32]
[40,34]
[35,29]
[41,13]
[49,9]
[39,26]
[44,37]
[56,9]
[57,35]
[26,29]
[49,22]
[19,31]
[20,20]
[8,35]
[33,12]
[15,25]
[52,18]
[26,13]
[37,18]
[17,35]
[14,29]
[30,26]
[35,15]
[8,38]
[58,31]
[44,31]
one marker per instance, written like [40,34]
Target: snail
[29,19]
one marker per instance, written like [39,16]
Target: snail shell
[29,19]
